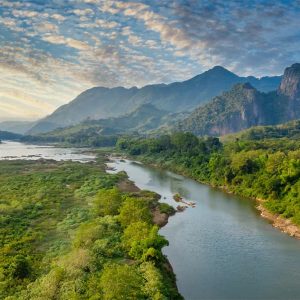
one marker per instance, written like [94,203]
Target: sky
[53,50]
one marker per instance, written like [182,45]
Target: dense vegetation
[289,130]
[240,108]
[267,169]
[68,232]
[82,136]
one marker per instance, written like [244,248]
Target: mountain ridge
[244,106]
[176,97]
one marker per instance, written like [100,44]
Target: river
[10,150]
[222,248]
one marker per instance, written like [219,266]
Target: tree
[107,202]
[119,282]
[135,232]
[20,267]
[134,210]
[153,286]
[150,247]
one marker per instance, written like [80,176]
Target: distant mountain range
[19,127]
[244,106]
[103,103]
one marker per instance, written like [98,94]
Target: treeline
[289,130]
[67,232]
[76,140]
[267,169]
[5,135]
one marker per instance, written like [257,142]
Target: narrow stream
[222,248]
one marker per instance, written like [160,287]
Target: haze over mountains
[143,119]
[103,103]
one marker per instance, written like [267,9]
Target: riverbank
[160,214]
[284,225]
[158,217]
[222,235]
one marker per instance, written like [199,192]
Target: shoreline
[284,225]
[158,218]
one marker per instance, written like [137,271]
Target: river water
[222,248]
[14,150]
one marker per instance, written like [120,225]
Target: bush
[107,202]
[119,282]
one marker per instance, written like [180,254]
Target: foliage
[134,210]
[289,130]
[107,202]
[86,137]
[260,168]
[65,234]
[121,282]
[166,209]
[239,108]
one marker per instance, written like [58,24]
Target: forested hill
[100,102]
[290,130]
[244,106]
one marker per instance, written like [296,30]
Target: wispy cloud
[52,50]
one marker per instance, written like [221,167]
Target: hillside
[5,135]
[244,106]
[104,132]
[290,130]
[100,102]
[144,118]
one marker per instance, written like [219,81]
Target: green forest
[70,231]
[265,168]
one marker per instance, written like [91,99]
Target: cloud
[70,42]
[24,13]
[52,50]
[58,17]
[83,12]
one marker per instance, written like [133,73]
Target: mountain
[290,87]
[104,132]
[5,135]
[100,102]
[143,119]
[244,106]
[19,127]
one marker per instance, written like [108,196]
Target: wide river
[222,248]
[14,150]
